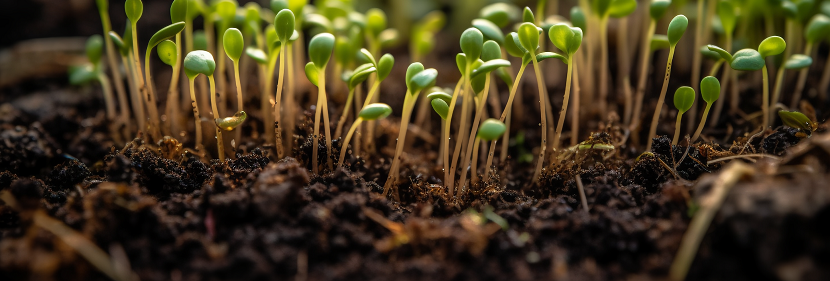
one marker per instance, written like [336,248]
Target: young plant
[684,97]
[319,52]
[373,111]
[529,39]
[417,79]
[727,13]
[795,62]
[125,48]
[771,46]
[150,98]
[657,9]
[195,63]
[103,11]
[134,9]
[817,29]
[605,9]
[440,103]
[234,45]
[384,68]
[710,92]
[284,27]
[491,130]
[677,27]
[225,11]
[94,72]
[354,79]
[178,13]
[567,39]
[471,41]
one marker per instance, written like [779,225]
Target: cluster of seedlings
[273,40]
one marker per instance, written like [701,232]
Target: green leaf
[796,120]
[234,43]
[659,42]
[94,48]
[601,7]
[226,9]
[388,38]
[375,21]
[319,49]
[297,6]
[258,55]
[684,97]
[194,8]
[422,80]
[622,8]
[178,11]
[578,18]
[658,8]
[710,89]
[199,40]
[375,111]
[677,27]
[133,9]
[230,123]
[319,21]
[491,129]
[747,60]
[165,33]
[432,22]
[199,62]
[411,70]
[367,56]
[490,30]
[440,95]
[772,46]
[529,36]
[167,52]
[489,66]
[80,75]
[728,17]
[725,55]
[122,47]
[471,43]
[284,24]
[384,66]
[818,28]
[527,15]
[512,45]
[441,107]
[360,76]
[490,51]
[500,14]
[551,55]
[461,62]
[504,76]
[798,61]
[312,73]
[278,5]
[566,38]
[805,9]
[478,83]
[704,50]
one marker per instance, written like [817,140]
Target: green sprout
[728,15]
[605,9]
[440,104]
[567,39]
[284,26]
[657,9]
[417,79]
[134,9]
[422,40]
[501,14]
[384,68]
[103,11]
[529,40]
[677,27]
[353,79]
[373,111]
[150,98]
[125,49]
[771,46]
[319,51]
[225,11]
[195,63]
[178,13]
[94,72]
[684,97]
[797,120]
[817,29]
[710,92]
[794,62]
[234,45]
[491,130]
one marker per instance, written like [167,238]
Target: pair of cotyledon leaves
[684,97]
[750,59]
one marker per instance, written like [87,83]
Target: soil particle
[24,151]
[781,139]
[162,176]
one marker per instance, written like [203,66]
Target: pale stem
[677,128]
[345,146]
[196,118]
[265,100]
[776,93]
[150,96]
[696,61]
[765,102]
[135,94]
[474,169]
[220,143]
[108,99]
[645,58]
[462,128]
[564,109]
[172,92]
[408,103]
[114,70]
[472,141]
[603,70]
[507,113]
[238,133]
[290,102]
[277,99]
[448,178]
[490,159]
[702,121]
[345,114]
[220,74]
[328,131]
[653,130]
[575,110]
[541,84]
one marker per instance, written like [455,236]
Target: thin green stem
[677,128]
[461,126]
[345,146]
[172,91]
[472,141]
[321,99]
[702,122]
[448,179]
[408,104]
[114,70]
[135,94]
[220,143]
[196,118]
[239,101]
[277,99]
[653,130]
[345,114]
[564,109]
[765,102]
[150,97]
[543,146]
[474,169]
[776,93]
[603,70]
[108,98]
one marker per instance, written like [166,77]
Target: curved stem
[172,91]
[653,130]
[114,69]
[507,112]
[196,118]
[541,85]
[677,128]
[564,109]
[702,122]
[345,114]
[345,145]
[474,169]
[108,99]
[277,99]
[448,179]
[135,94]
[645,57]
[461,126]
[220,142]
[776,93]
[473,138]
[150,97]
[489,160]
[765,99]
[408,103]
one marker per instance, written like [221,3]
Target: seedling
[225,11]
[284,26]
[727,13]
[529,40]
[771,46]
[657,9]
[94,72]
[103,11]
[684,97]
[319,52]
[501,14]
[150,98]
[384,68]
[797,120]
[567,39]
[677,27]
[134,9]
[491,130]
[605,9]
[178,13]
[710,92]
[422,40]
[125,48]
[373,111]
[354,79]
[417,79]
[234,45]
[797,61]
[195,63]
[817,29]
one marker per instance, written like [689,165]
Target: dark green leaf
[284,24]
[178,11]
[578,18]
[94,48]
[199,62]
[796,120]
[710,89]
[320,48]
[818,28]
[658,8]
[725,55]
[375,111]
[677,27]
[411,70]
[491,129]
[490,30]
[527,15]
[471,43]
[165,33]
[684,97]
[384,66]
[747,60]
[489,66]
[529,36]
[490,51]
[133,9]
[441,107]
[500,14]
